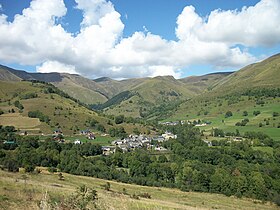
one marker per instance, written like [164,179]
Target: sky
[137,38]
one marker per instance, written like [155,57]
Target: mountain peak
[103,79]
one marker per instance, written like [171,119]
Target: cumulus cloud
[252,26]
[37,38]
[54,66]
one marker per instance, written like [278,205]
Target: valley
[95,132]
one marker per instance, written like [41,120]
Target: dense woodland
[190,165]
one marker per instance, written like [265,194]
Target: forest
[230,168]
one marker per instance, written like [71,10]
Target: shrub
[245,113]
[145,195]
[275,114]
[256,113]
[52,169]
[228,114]
[29,168]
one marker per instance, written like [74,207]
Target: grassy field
[102,140]
[216,109]
[21,191]
[19,121]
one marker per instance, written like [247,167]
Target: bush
[145,195]
[256,113]
[18,105]
[275,114]
[119,119]
[11,165]
[245,113]
[40,115]
[52,169]
[29,168]
[228,114]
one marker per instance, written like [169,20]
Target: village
[139,141]
[127,144]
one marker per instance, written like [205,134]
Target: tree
[228,114]
[275,114]
[119,119]
[29,168]
[107,186]
[162,159]
[256,113]
[219,132]
[245,113]
[11,165]
[257,188]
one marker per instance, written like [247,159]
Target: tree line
[231,169]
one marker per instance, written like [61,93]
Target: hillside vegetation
[254,88]
[262,74]
[58,110]
[31,191]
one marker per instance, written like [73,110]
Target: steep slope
[84,89]
[58,110]
[263,74]
[6,75]
[232,94]
[103,89]
[118,86]
[149,95]
[199,84]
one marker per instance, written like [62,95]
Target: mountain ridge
[94,91]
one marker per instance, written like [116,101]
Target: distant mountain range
[102,89]
[140,96]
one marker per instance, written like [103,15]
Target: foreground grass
[25,191]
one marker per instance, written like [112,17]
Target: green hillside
[262,74]
[60,110]
[84,89]
[103,89]
[149,95]
[63,112]
[202,83]
[253,88]
[32,191]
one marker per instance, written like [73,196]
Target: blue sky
[140,25]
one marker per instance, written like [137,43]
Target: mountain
[201,83]
[140,97]
[146,96]
[57,109]
[81,88]
[145,92]
[6,75]
[262,74]
[254,88]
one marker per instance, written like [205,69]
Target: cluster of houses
[138,141]
[182,122]
[90,135]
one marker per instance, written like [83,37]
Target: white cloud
[35,38]
[252,26]
[54,66]
[94,10]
